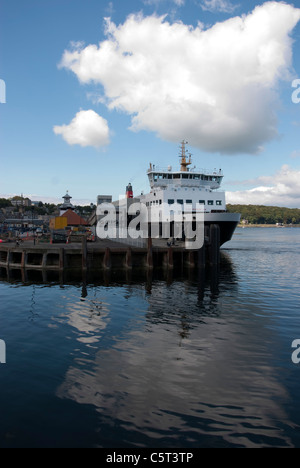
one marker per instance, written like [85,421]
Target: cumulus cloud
[86,129]
[223,6]
[216,87]
[282,189]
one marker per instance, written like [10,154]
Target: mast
[184,162]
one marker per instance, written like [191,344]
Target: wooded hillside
[258,214]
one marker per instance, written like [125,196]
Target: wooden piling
[9,258]
[128,261]
[23,259]
[201,257]
[214,244]
[150,254]
[191,259]
[107,259]
[84,253]
[170,257]
[61,258]
[44,260]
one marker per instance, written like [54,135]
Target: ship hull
[226,221]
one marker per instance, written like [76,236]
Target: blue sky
[90,102]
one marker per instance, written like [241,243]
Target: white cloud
[157,2]
[217,87]
[282,189]
[223,6]
[86,129]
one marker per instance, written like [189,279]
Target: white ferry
[188,191]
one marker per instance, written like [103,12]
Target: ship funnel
[129,191]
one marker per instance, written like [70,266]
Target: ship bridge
[189,177]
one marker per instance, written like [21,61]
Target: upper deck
[185,176]
[193,179]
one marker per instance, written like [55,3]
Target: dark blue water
[167,361]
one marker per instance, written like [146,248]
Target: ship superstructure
[188,190]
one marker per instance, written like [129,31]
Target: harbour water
[170,361]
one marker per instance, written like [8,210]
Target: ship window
[210,202]
[185,176]
[170,176]
[219,202]
[202,202]
[171,202]
[189,202]
[155,177]
[160,202]
[180,202]
[176,176]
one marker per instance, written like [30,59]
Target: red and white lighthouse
[129,191]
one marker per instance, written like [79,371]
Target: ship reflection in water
[152,361]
